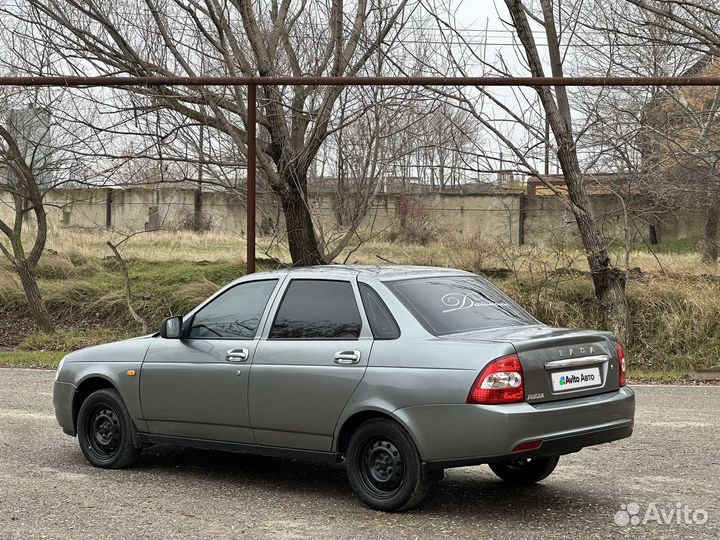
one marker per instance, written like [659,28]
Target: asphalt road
[47,489]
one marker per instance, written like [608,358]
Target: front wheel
[384,467]
[524,471]
[105,431]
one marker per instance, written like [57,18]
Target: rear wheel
[384,467]
[525,470]
[105,431]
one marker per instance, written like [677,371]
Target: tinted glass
[448,305]
[234,314]
[381,321]
[317,309]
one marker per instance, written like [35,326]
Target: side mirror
[171,328]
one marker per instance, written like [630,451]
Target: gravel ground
[47,489]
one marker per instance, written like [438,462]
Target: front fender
[112,363]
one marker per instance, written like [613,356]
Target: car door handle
[236,355]
[347,357]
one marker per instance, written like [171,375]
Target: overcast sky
[482,22]
[478,13]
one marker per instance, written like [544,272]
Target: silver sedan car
[400,372]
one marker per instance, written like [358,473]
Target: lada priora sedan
[399,372]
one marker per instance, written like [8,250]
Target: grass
[161,246]
[684,246]
[671,376]
[675,312]
[88,252]
[34,359]
[70,339]
[159,289]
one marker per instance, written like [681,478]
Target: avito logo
[574,379]
[569,379]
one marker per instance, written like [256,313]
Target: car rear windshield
[454,304]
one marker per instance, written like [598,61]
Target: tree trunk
[711,248]
[609,281]
[304,248]
[38,309]
[198,222]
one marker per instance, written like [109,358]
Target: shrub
[414,223]
[69,295]
[11,292]
[55,267]
[190,295]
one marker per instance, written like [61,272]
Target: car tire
[105,431]
[523,471]
[384,467]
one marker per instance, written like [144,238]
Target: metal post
[251,155]
[522,217]
[547,146]
[108,208]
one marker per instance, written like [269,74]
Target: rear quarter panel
[410,373]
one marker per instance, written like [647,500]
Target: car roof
[382,272]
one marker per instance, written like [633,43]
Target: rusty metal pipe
[119,81]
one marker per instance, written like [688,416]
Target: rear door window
[317,309]
[454,304]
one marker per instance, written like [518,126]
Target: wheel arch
[87,386]
[356,419]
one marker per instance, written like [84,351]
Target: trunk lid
[558,363]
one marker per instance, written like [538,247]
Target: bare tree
[695,19]
[23,165]
[525,137]
[205,37]
[623,128]
[609,281]
[687,133]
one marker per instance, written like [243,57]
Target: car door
[306,368]
[197,386]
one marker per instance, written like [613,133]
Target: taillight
[621,362]
[500,382]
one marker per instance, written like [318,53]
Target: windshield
[454,304]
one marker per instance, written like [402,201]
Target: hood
[132,349]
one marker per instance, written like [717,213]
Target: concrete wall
[484,215]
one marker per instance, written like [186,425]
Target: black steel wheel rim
[381,467]
[102,431]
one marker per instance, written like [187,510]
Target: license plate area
[567,380]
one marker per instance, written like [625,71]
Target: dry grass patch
[675,313]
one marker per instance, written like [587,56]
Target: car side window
[382,323]
[235,314]
[317,309]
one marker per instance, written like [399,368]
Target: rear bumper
[461,435]
[553,447]
[63,395]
